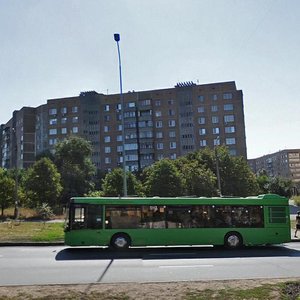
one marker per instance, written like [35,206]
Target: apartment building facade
[163,123]
[17,140]
[284,163]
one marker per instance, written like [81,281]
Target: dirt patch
[149,291]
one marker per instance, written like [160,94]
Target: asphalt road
[61,265]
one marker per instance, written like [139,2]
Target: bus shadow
[174,253]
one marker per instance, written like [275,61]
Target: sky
[59,48]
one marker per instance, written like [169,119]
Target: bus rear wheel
[233,240]
[120,241]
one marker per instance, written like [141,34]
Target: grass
[23,231]
[285,290]
[28,228]
[282,291]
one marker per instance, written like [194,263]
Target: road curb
[15,244]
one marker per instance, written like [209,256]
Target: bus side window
[94,217]
[78,217]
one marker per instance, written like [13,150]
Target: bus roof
[266,199]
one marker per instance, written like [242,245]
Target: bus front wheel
[233,240]
[120,241]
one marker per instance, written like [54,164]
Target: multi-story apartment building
[17,139]
[164,123]
[285,163]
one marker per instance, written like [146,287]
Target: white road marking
[191,266]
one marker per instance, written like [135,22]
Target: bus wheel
[233,240]
[120,241]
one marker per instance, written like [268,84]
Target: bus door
[87,219]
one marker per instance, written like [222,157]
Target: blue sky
[58,48]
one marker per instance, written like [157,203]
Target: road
[62,265]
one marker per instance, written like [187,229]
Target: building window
[214,108]
[172,134]
[64,130]
[52,111]
[107,149]
[227,96]
[217,142]
[159,135]
[172,123]
[63,120]
[53,121]
[171,102]
[75,120]
[133,146]
[201,109]
[201,120]
[158,124]
[106,128]
[74,109]
[228,118]
[106,107]
[201,98]
[131,104]
[159,146]
[172,145]
[173,156]
[145,102]
[63,110]
[171,112]
[119,138]
[53,131]
[230,129]
[119,106]
[107,160]
[75,129]
[107,139]
[160,156]
[215,119]
[214,97]
[230,141]
[120,149]
[158,113]
[106,118]
[216,130]
[203,143]
[52,142]
[228,107]
[232,152]
[202,131]
[119,127]
[157,103]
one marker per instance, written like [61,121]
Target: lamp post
[16,198]
[117,39]
[218,169]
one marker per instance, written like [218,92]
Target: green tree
[7,189]
[113,183]
[280,186]
[73,160]
[163,179]
[198,180]
[263,182]
[237,179]
[42,183]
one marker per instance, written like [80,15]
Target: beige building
[285,163]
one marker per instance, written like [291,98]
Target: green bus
[228,221]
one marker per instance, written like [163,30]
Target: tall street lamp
[217,167]
[16,198]
[117,39]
